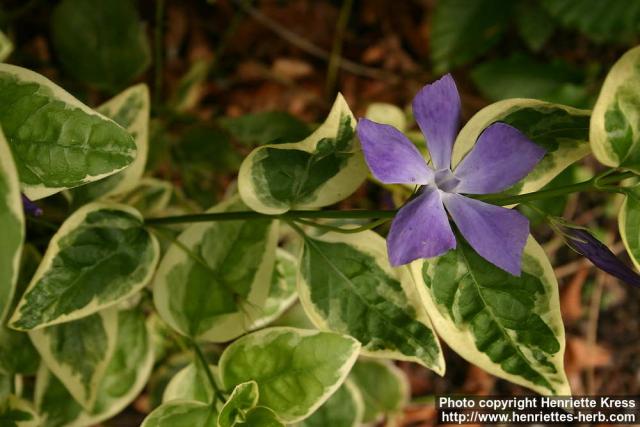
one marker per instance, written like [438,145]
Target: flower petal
[501,157]
[420,230]
[392,158]
[437,110]
[497,234]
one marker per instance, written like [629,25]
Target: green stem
[200,355]
[495,199]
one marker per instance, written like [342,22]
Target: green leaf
[323,169]
[561,130]
[265,128]
[521,76]
[125,377]
[15,412]
[282,293]
[100,256]
[243,398]
[150,197]
[384,388]
[79,352]
[346,285]
[601,21]
[12,226]
[212,283]
[296,370]
[103,43]
[629,225]
[181,413]
[57,142]
[130,109]
[345,408]
[6,46]
[534,24]
[462,30]
[509,326]
[615,121]
[191,383]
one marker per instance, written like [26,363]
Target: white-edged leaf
[12,226]
[243,398]
[345,408]
[387,114]
[100,256]
[15,412]
[150,197]
[296,370]
[78,352]
[318,171]
[347,285]
[509,326]
[125,377]
[629,225]
[191,383]
[615,121]
[212,284]
[282,293]
[384,388]
[57,142]
[6,46]
[130,109]
[182,413]
[561,130]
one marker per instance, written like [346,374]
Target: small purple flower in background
[583,242]
[30,208]
[501,157]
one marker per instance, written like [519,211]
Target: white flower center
[445,180]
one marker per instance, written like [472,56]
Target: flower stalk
[496,199]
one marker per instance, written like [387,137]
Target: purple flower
[30,208]
[583,242]
[501,157]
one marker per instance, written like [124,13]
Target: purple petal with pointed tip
[420,230]
[437,110]
[392,158]
[497,234]
[501,157]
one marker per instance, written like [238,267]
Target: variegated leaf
[243,398]
[79,352]
[191,383]
[57,142]
[561,130]
[509,326]
[320,170]
[347,285]
[100,256]
[615,125]
[384,387]
[130,109]
[12,226]
[125,377]
[212,284]
[282,293]
[182,413]
[345,408]
[15,412]
[296,370]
